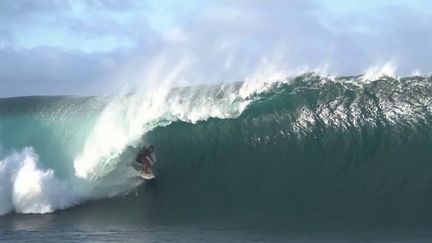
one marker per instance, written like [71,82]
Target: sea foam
[26,188]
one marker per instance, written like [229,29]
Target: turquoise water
[68,227]
[311,158]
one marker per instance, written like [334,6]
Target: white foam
[376,72]
[26,188]
[263,78]
[270,73]
[416,73]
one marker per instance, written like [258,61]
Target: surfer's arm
[150,159]
[153,158]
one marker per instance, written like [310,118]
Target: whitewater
[301,148]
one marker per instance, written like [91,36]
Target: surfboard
[146,176]
[140,169]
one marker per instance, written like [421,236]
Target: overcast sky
[51,47]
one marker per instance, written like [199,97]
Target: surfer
[145,158]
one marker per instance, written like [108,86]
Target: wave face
[306,148]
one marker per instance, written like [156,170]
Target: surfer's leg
[146,166]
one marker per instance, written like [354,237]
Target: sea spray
[26,188]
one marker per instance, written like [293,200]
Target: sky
[77,47]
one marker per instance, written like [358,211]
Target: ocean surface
[312,158]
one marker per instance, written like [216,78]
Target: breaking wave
[310,146]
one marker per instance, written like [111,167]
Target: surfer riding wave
[146,159]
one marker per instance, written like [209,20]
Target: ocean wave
[299,147]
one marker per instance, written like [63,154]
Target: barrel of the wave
[314,149]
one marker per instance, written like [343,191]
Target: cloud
[43,70]
[67,47]
[222,41]
[12,7]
